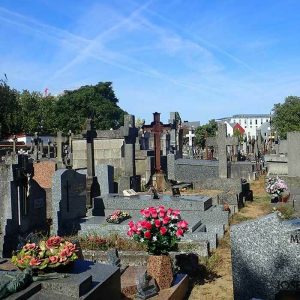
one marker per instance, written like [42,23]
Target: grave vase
[160,268]
[284,197]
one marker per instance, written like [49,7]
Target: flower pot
[160,268]
[284,197]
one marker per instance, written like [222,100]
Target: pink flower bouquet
[117,217]
[160,229]
[51,253]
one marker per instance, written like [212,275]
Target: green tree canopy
[99,101]
[286,116]
[37,113]
[9,109]
[211,128]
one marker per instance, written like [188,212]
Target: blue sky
[203,58]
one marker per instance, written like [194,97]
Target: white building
[250,122]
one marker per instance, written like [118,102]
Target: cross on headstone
[14,144]
[157,128]
[36,147]
[222,141]
[58,141]
[190,135]
[48,148]
[90,135]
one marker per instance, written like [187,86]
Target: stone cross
[48,149]
[14,143]
[222,141]
[90,135]
[36,147]
[258,140]
[190,136]
[59,148]
[157,128]
[130,134]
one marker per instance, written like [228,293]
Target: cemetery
[149,150]
[76,208]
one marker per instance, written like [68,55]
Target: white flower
[154,238]
[141,239]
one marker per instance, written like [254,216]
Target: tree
[238,134]
[200,133]
[99,101]
[9,110]
[286,116]
[37,113]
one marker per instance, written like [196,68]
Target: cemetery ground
[216,280]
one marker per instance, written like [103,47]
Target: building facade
[249,122]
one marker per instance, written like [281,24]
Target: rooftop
[251,116]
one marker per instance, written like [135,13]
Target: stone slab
[265,257]
[87,280]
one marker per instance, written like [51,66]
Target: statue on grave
[113,258]
[15,281]
[12,282]
[146,287]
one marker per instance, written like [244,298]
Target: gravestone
[23,203]
[59,141]
[265,258]
[129,179]
[293,139]
[222,141]
[84,280]
[68,201]
[105,177]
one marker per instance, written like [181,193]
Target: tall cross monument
[157,127]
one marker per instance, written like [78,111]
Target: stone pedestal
[160,268]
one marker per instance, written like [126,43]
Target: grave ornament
[146,287]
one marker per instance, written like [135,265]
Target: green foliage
[211,128]
[37,113]
[287,116]
[73,107]
[238,134]
[9,110]
[31,112]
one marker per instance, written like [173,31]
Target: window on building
[250,122]
[245,121]
[255,121]
[245,126]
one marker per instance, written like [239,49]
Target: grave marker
[222,141]
[265,258]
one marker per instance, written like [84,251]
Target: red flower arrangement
[51,253]
[160,229]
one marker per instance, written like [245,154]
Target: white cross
[190,136]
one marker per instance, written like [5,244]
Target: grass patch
[238,218]
[211,263]
[286,211]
